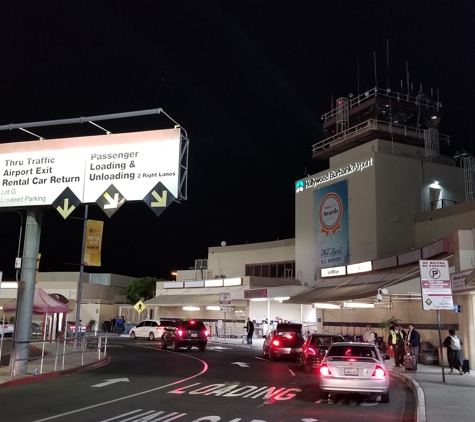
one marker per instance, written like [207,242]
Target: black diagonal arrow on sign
[66,203]
[159,198]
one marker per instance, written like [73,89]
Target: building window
[271,270]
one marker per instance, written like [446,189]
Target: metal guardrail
[85,344]
[419,99]
[370,125]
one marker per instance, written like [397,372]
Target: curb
[418,394]
[42,377]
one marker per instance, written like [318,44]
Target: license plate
[194,335]
[351,371]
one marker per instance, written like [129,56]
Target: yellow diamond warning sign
[140,306]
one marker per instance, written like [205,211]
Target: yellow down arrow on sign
[161,200]
[66,210]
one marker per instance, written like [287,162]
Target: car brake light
[192,322]
[311,351]
[275,342]
[379,372]
[324,370]
[180,332]
[205,332]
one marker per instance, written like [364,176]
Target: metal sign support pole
[441,347]
[81,273]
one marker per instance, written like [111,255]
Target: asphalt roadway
[435,400]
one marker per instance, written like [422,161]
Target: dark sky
[248,80]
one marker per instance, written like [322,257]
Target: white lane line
[132,395]
[292,372]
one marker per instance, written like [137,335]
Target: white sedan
[151,329]
[355,368]
[7,329]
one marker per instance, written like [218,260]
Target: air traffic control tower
[388,167]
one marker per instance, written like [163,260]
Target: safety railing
[63,352]
[370,125]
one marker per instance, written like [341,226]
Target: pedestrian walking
[119,325]
[454,352]
[250,330]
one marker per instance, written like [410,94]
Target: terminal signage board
[38,172]
[435,285]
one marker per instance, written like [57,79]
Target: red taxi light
[324,370]
[275,342]
[379,372]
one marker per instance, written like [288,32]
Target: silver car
[355,368]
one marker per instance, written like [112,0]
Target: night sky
[248,80]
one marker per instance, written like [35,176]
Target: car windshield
[353,351]
[289,335]
[192,325]
[325,340]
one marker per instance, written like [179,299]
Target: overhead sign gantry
[106,169]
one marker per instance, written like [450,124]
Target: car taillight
[205,332]
[379,372]
[324,370]
[276,343]
[179,332]
[311,351]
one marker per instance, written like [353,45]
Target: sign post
[225,306]
[436,293]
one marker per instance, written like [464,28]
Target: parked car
[285,341]
[7,329]
[151,329]
[71,328]
[191,333]
[355,368]
[315,348]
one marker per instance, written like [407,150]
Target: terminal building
[393,195]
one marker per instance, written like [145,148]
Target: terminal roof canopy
[43,304]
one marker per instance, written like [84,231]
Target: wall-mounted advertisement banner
[37,172]
[332,241]
[93,243]
[435,285]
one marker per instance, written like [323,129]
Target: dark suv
[191,333]
[315,348]
[284,341]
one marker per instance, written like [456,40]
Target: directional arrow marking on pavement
[241,364]
[161,200]
[112,201]
[110,382]
[66,209]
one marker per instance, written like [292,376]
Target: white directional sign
[435,285]
[37,172]
[225,302]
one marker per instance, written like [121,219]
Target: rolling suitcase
[410,362]
[466,366]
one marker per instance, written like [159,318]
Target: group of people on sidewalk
[401,343]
